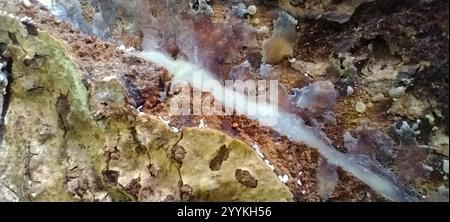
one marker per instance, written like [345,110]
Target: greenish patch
[343,67]
[120,195]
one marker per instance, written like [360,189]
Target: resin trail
[291,126]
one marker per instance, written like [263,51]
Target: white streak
[283,179]
[202,124]
[164,121]
[27,3]
[258,151]
[47,3]
[122,48]
[267,162]
[109,78]
[293,127]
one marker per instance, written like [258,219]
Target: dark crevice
[221,155]
[178,153]
[13,38]
[140,149]
[245,178]
[31,28]
[28,172]
[133,90]
[7,97]
[111,177]
[63,109]
[181,184]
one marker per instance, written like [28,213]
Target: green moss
[343,67]
[120,195]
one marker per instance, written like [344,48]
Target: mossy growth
[343,67]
